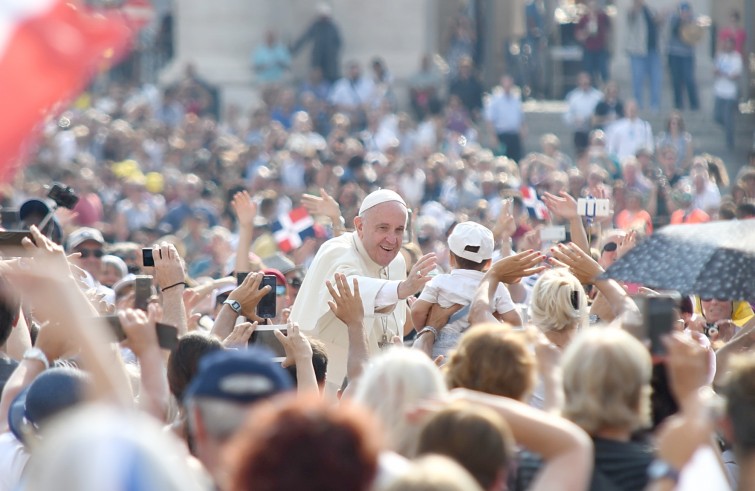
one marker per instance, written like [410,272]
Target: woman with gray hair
[606,375]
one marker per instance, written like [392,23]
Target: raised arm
[566,449]
[348,308]
[171,278]
[245,210]
[565,206]
[248,294]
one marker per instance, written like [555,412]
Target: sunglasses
[610,247]
[575,299]
[280,290]
[714,299]
[85,253]
[295,282]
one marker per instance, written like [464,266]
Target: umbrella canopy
[711,260]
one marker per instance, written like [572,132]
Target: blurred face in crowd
[354,71]
[584,81]
[381,229]
[91,257]
[630,109]
[715,310]
[507,83]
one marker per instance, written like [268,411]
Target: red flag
[49,49]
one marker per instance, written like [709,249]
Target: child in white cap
[471,247]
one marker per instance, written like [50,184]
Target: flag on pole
[535,207]
[291,229]
[49,49]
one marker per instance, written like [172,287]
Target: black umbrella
[711,260]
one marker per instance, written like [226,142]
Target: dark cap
[51,393]
[240,376]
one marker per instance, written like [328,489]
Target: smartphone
[553,234]
[658,315]
[10,243]
[264,335]
[142,291]
[64,196]
[240,277]
[9,217]
[147,258]
[167,336]
[266,307]
[591,207]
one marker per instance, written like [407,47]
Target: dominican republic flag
[535,207]
[49,49]
[290,230]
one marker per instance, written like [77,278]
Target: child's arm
[511,317]
[420,309]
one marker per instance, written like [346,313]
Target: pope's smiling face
[381,229]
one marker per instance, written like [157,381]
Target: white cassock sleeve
[377,293]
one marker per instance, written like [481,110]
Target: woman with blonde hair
[394,383]
[559,306]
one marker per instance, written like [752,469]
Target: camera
[63,195]
[710,330]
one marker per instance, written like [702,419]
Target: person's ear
[358,224]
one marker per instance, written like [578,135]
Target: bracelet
[428,329]
[186,285]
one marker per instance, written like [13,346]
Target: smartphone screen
[142,291]
[167,336]
[658,316]
[264,335]
[10,243]
[266,307]
[240,277]
[147,258]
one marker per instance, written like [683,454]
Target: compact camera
[63,195]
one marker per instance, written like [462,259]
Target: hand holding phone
[167,335]
[250,292]
[659,313]
[142,291]
[147,257]
[266,308]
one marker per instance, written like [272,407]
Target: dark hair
[319,362]
[475,437]
[746,210]
[183,363]
[464,263]
[304,443]
[9,310]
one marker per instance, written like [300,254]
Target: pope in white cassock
[371,255]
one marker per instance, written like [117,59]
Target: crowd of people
[440,317]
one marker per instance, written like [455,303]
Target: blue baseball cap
[51,393]
[242,376]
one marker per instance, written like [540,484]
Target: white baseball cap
[472,241]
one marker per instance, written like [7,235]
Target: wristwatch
[37,354]
[234,305]
[660,469]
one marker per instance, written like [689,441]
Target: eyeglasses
[714,299]
[294,282]
[280,290]
[85,253]
[610,247]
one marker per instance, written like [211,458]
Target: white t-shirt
[458,287]
[13,458]
[729,64]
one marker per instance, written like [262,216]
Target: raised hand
[249,294]
[346,304]
[418,276]
[513,268]
[169,269]
[578,261]
[296,345]
[245,208]
[324,205]
[240,335]
[505,223]
[564,205]
[141,334]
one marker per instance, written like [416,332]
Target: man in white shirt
[629,134]
[505,117]
[728,70]
[352,92]
[582,102]
[369,255]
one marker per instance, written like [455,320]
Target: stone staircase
[547,117]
